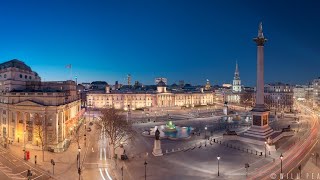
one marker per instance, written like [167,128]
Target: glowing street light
[265,149]
[281,157]
[218,157]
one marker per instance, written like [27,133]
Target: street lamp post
[247,166]
[145,166]
[53,163]
[145,170]
[218,157]
[24,144]
[122,172]
[281,157]
[265,149]
[85,133]
[79,160]
[205,133]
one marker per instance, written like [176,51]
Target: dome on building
[161,84]
[15,63]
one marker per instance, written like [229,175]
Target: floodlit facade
[148,99]
[278,96]
[24,97]
[316,93]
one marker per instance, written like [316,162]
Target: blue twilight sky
[177,39]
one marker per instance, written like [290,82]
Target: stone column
[260,75]
[57,126]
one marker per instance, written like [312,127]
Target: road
[295,155]
[97,162]
[12,167]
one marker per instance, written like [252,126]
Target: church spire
[236,73]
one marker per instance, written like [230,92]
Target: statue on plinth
[157,151]
[157,134]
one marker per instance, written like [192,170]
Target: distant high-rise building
[181,83]
[129,79]
[116,85]
[157,80]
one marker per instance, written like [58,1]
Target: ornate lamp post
[145,170]
[145,166]
[85,133]
[205,133]
[265,149]
[79,164]
[122,172]
[24,144]
[281,157]
[218,157]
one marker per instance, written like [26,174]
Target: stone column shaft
[260,76]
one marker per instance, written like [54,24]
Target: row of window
[25,76]
[21,76]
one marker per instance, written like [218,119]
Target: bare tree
[118,129]
[77,134]
[41,133]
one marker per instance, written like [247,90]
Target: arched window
[25,76]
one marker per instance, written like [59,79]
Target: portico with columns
[20,124]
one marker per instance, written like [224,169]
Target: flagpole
[71,73]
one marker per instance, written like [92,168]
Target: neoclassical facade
[160,98]
[56,104]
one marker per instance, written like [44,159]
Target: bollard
[220,142]
[256,152]
[269,153]
[260,153]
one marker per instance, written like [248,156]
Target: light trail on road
[294,155]
[103,156]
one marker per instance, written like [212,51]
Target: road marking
[105,169]
[101,174]
[38,177]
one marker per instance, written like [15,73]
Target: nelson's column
[260,121]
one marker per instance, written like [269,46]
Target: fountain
[170,131]
[170,127]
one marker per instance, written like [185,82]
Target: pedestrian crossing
[8,172]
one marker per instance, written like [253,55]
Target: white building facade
[25,97]
[160,98]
